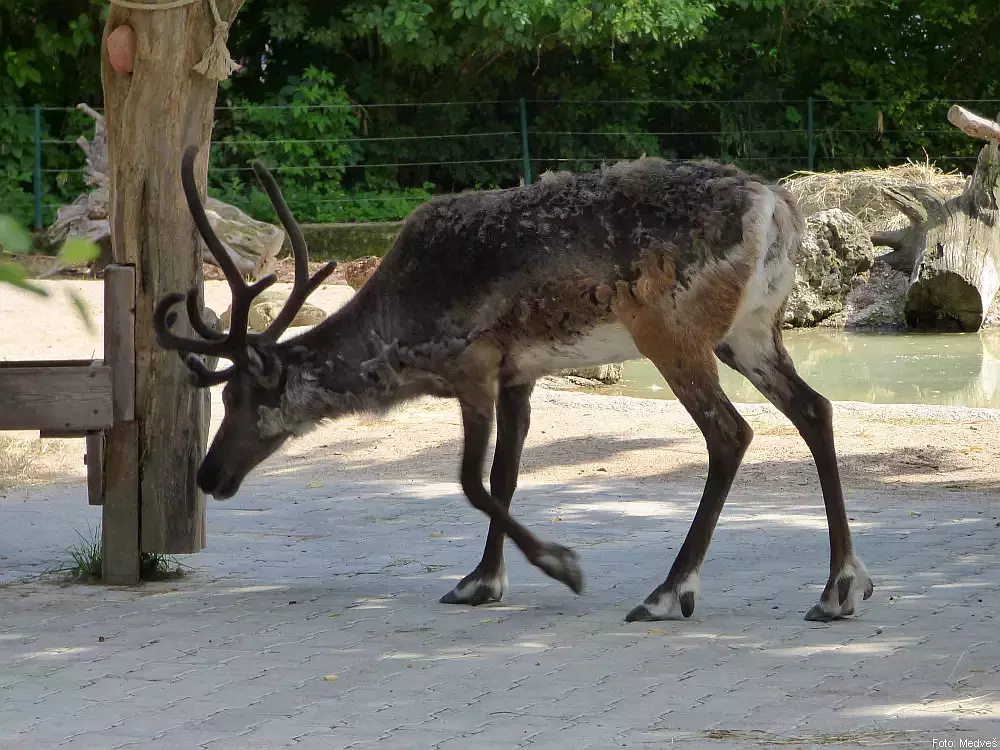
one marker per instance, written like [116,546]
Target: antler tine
[303,285]
[243,294]
[198,323]
[300,251]
[240,315]
[215,246]
[201,375]
[294,303]
[164,317]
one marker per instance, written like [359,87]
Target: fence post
[809,129]
[722,136]
[525,154]
[38,167]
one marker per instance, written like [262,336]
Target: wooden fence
[94,399]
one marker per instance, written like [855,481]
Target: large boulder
[266,307]
[255,243]
[836,250]
[877,302]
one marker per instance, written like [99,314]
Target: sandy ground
[311,620]
[928,448]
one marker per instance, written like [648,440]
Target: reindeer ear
[382,370]
[255,362]
[264,366]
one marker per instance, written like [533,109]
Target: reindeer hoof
[640,614]
[562,564]
[843,593]
[663,603]
[478,588]
[818,614]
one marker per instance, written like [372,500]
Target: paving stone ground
[302,583]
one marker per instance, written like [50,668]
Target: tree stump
[152,114]
[952,245]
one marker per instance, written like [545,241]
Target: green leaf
[13,236]
[81,310]
[793,115]
[11,273]
[77,251]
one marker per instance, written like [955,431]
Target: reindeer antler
[233,346]
[303,285]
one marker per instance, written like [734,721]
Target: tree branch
[973,125]
[894,238]
[918,202]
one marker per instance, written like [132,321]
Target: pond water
[888,368]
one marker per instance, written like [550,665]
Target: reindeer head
[257,380]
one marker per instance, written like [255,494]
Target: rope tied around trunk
[216,63]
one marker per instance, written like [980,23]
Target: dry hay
[860,192]
[27,460]
[17,458]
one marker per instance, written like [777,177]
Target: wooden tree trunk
[253,245]
[952,246]
[152,113]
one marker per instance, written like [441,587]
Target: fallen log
[951,247]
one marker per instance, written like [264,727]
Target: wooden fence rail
[93,399]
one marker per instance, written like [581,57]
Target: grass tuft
[86,560]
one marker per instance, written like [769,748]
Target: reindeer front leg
[488,582]
[477,421]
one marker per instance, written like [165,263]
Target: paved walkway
[312,622]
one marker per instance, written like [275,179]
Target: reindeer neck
[336,349]
[347,332]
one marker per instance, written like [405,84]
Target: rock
[266,308]
[879,301]
[606,374]
[835,250]
[256,243]
[357,272]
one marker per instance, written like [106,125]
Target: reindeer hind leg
[683,353]
[755,350]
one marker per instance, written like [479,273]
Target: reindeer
[483,293]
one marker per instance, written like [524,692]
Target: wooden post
[120,470]
[94,458]
[119,338]
[152,113]
[121,506]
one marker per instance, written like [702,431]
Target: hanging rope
[216,62]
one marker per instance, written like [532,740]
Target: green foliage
[86,558]
[49,55]
[13,237]
[13,274]
[75,251]
[303,126]
[725,79]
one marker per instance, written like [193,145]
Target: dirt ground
[574,435]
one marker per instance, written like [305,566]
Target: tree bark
[952,246]
[152,113]
[253,245]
